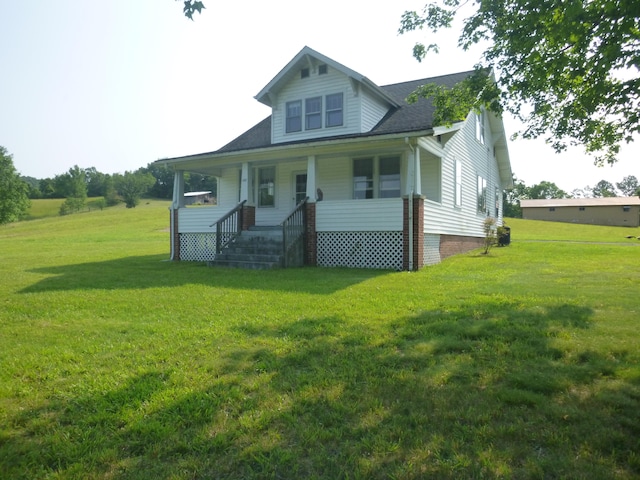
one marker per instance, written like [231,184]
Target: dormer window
[334,110]
[322,69]
[318,112]
[304,73]
[313,113]
[294,116]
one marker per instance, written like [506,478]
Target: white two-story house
[350,172]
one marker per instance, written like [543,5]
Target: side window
[480,127]
[482,195]
[458,193]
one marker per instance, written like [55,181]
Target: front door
[299,187]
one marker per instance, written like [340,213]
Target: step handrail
[228,227]
[293,231]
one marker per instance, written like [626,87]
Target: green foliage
[14,199]
[132,186]
[604,189]
[546,190]
[628,186]
[490,237]
[191,7]
[568,70]
[72,205]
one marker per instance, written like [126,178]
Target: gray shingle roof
[405,119]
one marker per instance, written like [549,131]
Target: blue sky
[117,84]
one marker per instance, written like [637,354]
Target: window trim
[259,186]
[457,194]
[480,128]
[374,188]
[289,119]
[314,115]
[329,111]
[482,188]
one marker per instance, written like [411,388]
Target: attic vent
[322,69]
[304,73]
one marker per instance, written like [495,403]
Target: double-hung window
[458,193]
[480,127]
[266,186]
[294,116]
[389,177]
[363,178]
[376,177]
[313,113]
[334,110]
[482,195]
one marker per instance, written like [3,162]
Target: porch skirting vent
[431,250]
[360,249]
[198,247]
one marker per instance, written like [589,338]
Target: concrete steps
[259,248]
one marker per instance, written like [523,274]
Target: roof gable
[309,58]
[403,118]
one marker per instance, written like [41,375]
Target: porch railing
[293,234]
[228,227]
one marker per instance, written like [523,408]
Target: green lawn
[117,364]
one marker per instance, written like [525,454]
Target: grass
[50,207]
[118,364]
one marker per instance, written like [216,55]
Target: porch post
[176,204]
[311,240]
[413,232]
[248,209]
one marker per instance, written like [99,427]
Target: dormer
[314,96]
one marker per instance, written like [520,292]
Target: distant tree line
[78,184]
[628,187]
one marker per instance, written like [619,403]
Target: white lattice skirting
[431,249]
[360,249]
[197,247]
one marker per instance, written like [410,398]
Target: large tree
[604,188]
[132,186]
[546,190]
[569,70]
[629,186]
[14,199]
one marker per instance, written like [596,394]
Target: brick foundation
[311,239]
[175,236]
[418,233]
[453,245]
[248,216]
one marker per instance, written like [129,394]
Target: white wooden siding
[334,178]
[284,194]
[198,219]
[477,159]
[372,215]
[372,111]
[361,111]
[431,176]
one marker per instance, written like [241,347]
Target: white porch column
[311,178]
[417,178]
[245,183]
[178,190]
[411,172]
